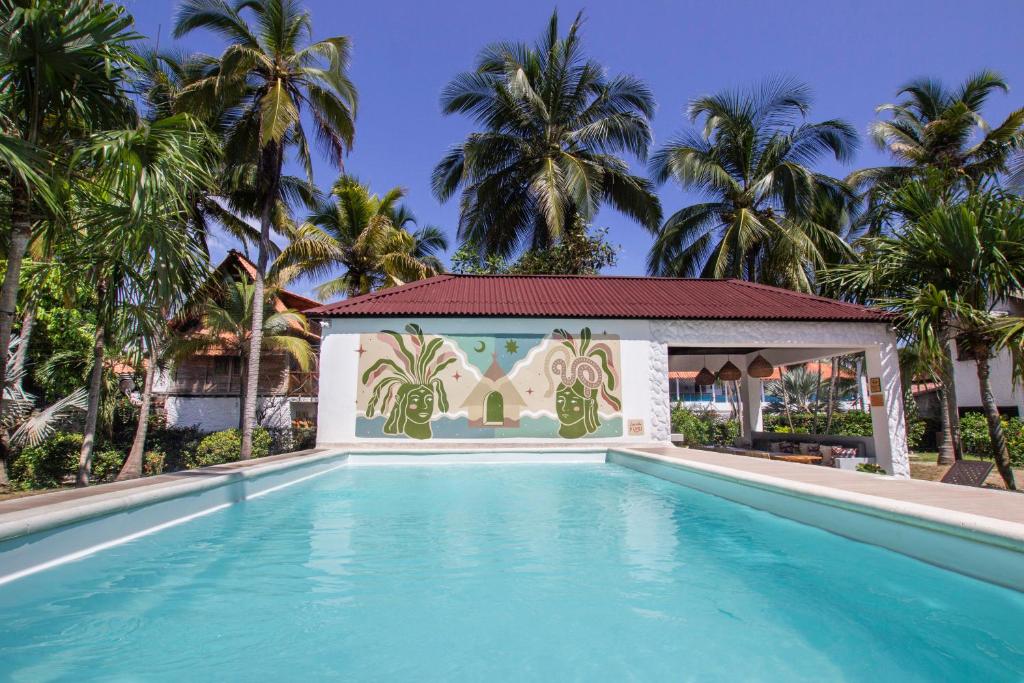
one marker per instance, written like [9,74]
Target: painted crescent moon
[479,348]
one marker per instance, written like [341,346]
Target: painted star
[512,346]
[360,350]
[529,391]
[456,376]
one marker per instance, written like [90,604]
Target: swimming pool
[497,572]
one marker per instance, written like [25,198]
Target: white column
[750,406]
[659,404]
[887,420]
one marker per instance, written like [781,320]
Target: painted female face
[419,405]
[569,405]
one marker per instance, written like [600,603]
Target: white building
[588,357]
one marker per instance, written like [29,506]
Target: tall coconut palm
[374,240]
[226,319]
[62,70]
[275,72]
[941,272]
[939,131]
[553,129]
[770,215]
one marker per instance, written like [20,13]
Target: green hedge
[47,465]
[226,446]
[704,427]
[974,434]
[54,462]
[850,423]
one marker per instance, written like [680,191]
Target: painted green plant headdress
[589,363]
[418,364]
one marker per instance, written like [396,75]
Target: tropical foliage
[547,157]
[771,217]
[938,131]
[270,74]
[942,271]
[366,236]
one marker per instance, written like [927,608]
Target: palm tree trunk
[21,233]
[785,397]
[1000,452]
[242,387]
[817,401]
[132,468]
[950,409]
[270,162]
[859,366]
[93,409]
[830,409]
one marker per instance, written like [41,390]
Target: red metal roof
[565,296]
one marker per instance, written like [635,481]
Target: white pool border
[41,537]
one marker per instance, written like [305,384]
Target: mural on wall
[420,386]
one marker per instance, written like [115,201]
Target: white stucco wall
[968,394]
[644,357]
[214,413]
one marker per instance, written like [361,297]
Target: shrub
[870,468]
[226,446]
[153,463]
[49,464]
[294,438]
[974,434]
[704,427]
[106,464]
[849,423]
[177,444]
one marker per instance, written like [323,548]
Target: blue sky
[854,55]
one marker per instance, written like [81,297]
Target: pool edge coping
[958,523]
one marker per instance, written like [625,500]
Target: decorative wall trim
[661,421]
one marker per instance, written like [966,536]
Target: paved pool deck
[994,504]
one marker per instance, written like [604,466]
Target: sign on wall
[417,385]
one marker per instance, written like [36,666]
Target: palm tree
[770,216]
[62,68]
[939,131]
[941,272]
[368,237]
[227,316]
[162,79]
[274,73]
[553,127]
[132,204]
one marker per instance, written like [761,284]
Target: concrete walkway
[1002,505]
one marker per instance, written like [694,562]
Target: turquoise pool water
[516,572]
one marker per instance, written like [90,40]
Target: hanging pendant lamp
[729,372]
[705,377]
[760,368]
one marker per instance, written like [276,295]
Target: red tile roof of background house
[561,296]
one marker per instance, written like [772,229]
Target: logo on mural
[477,386]
[410,387]
[585,371]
